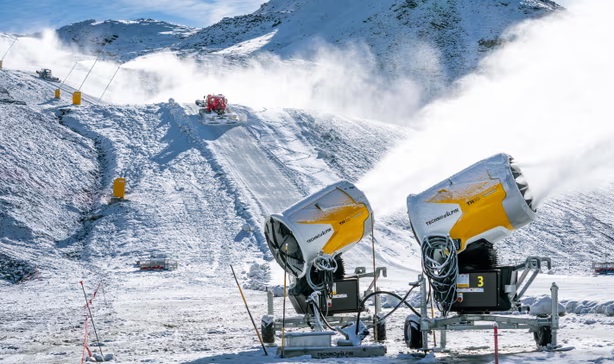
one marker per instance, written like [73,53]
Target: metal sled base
[362,351]
[318,346]
[318,343]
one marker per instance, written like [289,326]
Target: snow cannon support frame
[544,326]
[317,342]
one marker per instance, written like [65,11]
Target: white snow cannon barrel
[487,200]
[457,221]
[328,222]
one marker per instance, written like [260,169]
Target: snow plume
[344,81]
[32,52]
[544,98]
[46,51]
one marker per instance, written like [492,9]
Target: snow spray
[543,97]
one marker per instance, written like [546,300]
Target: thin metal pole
[378,307]
[373,256]
[7,51]
[554,290]
[88,72]
[283,314]
[496,333]
[248,312]
[108,84]
[73,67]
[84,341]
[87,304]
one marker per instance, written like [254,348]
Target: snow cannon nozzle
[319,227]
[486,201]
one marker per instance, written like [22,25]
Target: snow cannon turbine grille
[329,222]
[484,202]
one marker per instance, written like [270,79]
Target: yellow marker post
[119,187]
[76,98]
[57,93]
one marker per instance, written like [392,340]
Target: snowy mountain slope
[574,229]
[176,199]
[451,33]
[432,41]
[238,172]
[244,163]
[123,39]
[40,160]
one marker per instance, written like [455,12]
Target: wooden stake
[248,312]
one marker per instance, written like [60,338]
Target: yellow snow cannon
[487,200]
[307,239]
[457,221]
[315,230]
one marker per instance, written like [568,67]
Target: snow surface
[199,195]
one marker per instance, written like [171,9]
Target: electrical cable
[362,302]
[440,264]
[319,312]
[327,265]
[397,306]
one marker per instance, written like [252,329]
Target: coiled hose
[326,265]
[440,264]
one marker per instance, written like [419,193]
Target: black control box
[343,298]
[484,290]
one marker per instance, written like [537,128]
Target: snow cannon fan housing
[457,221]
[485,201]
[329,222]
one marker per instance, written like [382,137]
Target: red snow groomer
[216,105]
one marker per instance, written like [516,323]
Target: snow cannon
[324,224]
[485,201]
[307,240]
[457,221]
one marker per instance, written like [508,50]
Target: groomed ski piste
[199,194]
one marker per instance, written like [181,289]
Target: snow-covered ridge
[123,40]
[453,36]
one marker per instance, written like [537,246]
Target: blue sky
[26,16]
